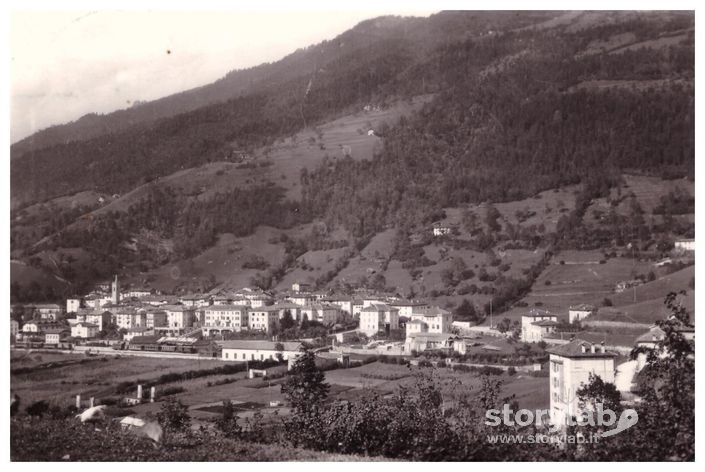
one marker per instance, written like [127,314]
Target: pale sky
[66,64]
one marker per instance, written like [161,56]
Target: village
[264,331]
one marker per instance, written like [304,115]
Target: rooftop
[545,323]
[227,307]
[377,307]
[579,348]
[259,345]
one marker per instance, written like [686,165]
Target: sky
[67,64]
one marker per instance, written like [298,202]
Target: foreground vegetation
[432,419]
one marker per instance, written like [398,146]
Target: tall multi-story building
[570,368]
[219,319]
[265,318]
[378,318]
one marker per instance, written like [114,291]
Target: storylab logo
[604,418]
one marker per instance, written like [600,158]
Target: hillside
[466,120]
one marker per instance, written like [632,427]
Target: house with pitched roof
[570,367]
[536,326]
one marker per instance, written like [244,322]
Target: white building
[138,292]
[434,341]
[378,318]
[219,319]
[431,320]
[179,316]
[128,319]
[258,350]
[263,318]
[55,335]
[535,326]
[440,229]
[84,330]
[137,331]
[408,308]
[570,368]
[301,287]
[324,314]
[344,303]
[302,298]
[100,318]
[155,319]
[48,311]
[579,312]
[684,245]
[72,305]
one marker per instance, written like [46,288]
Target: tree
[173,417]
[305,390]
[227,423]
[597,391]
[279,347]
[305,386]
[287,321]
[504,325]
[466,311]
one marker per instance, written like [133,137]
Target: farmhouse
[258,350]
[84,330]
[570,368]
[579,312]
[378,318]
[535,326]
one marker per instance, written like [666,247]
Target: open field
[99,376]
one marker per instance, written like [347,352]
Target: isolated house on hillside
[536,326]
[684,245]
[579,312]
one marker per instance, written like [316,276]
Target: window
[243,356]
[226,355]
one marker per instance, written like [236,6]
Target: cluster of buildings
[139,312]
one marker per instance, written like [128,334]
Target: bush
[171,391]
[606,302]
[511,370]
[38,408]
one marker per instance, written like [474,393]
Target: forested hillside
[521,104]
